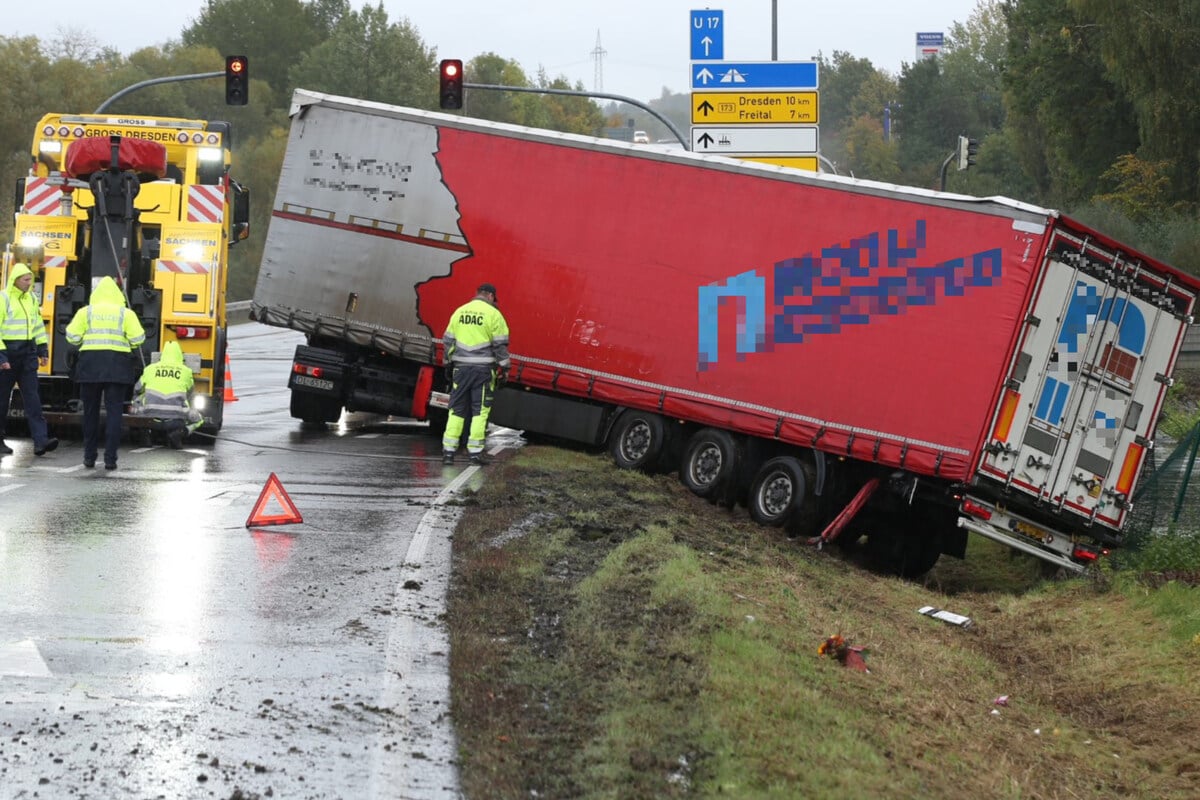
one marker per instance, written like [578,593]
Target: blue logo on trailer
[845,284]
[708,35]
[1087,309]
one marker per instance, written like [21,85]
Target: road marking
[23,659]
[416,682]
[10,487]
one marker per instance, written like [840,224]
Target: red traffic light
[450,94]
[237,77]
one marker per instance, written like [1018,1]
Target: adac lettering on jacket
[168,372]
[470,319]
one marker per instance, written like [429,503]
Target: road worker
[23,347]
[106,332]
[165,393]
[476,362]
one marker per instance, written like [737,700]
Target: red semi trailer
[784,339]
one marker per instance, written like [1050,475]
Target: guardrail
[238,312]
[1189,354]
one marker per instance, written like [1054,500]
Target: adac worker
[23,347]
[164,392]
[476,358]
[106,333]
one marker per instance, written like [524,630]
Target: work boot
[447,456]
[477,460]
[5,450]
[175,438]
[48,446]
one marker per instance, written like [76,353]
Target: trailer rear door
[1089,379]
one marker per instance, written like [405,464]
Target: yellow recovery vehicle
[149,202]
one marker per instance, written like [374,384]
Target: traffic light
[967,150]
[451,79]
[237,81]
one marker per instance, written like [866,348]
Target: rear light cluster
[304,369]
[191,332]
[1083,552]
[976,510]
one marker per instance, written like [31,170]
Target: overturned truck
[798,344]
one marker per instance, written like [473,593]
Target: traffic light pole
[154,82]
[619,98]
[946,163]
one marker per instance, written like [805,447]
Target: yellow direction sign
[795,162]
[717,108]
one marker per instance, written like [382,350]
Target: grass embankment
[614,636]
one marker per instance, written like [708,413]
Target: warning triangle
[273,490]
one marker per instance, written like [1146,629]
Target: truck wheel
[217,416]
[907,554]
[709,464]
[315,411]
[781,493]
[637,439]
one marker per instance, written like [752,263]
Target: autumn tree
[369,57]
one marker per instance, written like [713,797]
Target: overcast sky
[645,43]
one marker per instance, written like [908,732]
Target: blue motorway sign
[755,75]
[708,35]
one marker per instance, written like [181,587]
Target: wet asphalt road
[152,645]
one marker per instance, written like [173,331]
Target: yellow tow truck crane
[149,202]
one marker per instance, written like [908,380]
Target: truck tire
[217,416]
[710,464]
[906,553]
[782,494]
[314,411]
[637,440]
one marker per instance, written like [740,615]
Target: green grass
[628,640]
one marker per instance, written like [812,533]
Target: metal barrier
[1189,354]
[239,312]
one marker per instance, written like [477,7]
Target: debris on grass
[946,616]
[844,653]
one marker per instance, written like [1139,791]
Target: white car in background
[641,137]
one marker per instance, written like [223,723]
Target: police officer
[165,393]
[476,359]
[23,347]
[106,333]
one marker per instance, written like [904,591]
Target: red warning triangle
[273,490]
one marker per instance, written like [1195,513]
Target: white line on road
[416,684]
[10,487]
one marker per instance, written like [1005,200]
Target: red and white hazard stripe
[55,261]
[41,197]
[187,267]
[206,204]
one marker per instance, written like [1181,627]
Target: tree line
[1088,106]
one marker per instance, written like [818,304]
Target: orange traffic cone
[229,395]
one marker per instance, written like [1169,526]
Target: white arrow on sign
[751,139]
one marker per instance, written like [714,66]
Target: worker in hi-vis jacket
[476,361]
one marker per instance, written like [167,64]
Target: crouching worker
[164,392]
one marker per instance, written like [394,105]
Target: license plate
[1032,531]
[315,383]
